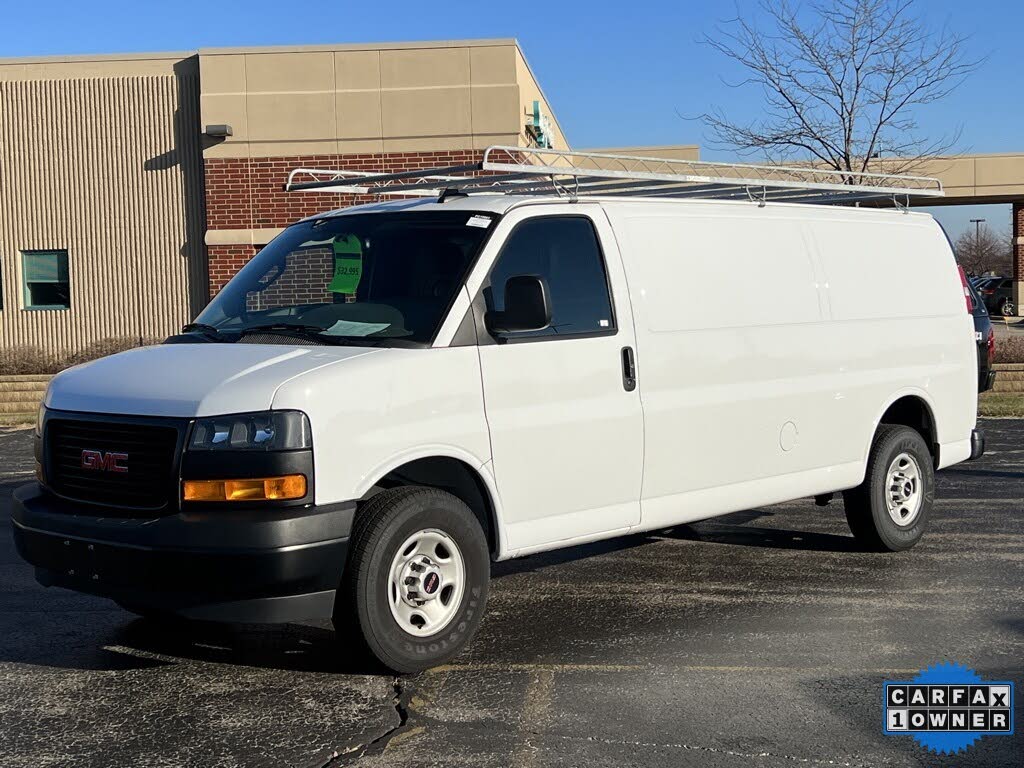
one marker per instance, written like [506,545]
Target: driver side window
[564,250]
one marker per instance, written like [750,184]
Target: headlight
[40,416]
[269,431]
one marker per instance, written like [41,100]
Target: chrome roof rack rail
[534,171]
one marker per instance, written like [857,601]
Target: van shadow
[538,562]
[976,472]
[720,532]
[91,634]
[283,647]
[8,487]
[114,640]
[303,647]
[532,563]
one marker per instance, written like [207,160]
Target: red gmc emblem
[101,461]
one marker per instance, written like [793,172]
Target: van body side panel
[389,407]
[729,315]
[752,392]
[899,327]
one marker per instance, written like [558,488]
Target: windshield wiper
[302,328]
[299,329]
[207,330]
[293,329]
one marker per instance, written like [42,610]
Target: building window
[45,277]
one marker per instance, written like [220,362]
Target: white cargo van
[389,397]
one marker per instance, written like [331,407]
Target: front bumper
[240,564]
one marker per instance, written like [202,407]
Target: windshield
[374,276]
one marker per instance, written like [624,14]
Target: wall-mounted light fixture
[218,131]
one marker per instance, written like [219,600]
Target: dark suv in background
[997,294]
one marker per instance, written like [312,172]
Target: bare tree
[981,250]
[841,82]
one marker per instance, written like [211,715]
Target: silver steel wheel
[903,492]
[426,582]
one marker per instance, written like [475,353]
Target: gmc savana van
[389,397]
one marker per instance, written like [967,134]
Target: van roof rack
[536,171]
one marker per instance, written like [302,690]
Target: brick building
[125,203]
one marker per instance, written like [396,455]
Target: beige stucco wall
[353,99]
[966,179]
[662,151]
[100,156]
[978,178]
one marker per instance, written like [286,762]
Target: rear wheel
[415,585]
[889,511]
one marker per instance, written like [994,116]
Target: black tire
[866,509]
[362,611]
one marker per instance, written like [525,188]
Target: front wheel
[1006,309]
[890,509]
[415,585]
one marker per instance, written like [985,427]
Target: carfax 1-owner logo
[947,707]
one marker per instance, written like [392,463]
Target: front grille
[148,483]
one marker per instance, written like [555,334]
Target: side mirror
[527,307]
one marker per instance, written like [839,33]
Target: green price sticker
[348,264]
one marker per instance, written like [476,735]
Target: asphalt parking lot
[758,639]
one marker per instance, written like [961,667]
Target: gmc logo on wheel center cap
[104,461]
[431,583]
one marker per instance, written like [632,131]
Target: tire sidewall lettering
[454,637]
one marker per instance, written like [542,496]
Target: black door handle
[628,369]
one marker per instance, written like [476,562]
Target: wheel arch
[910,408]
[448,469]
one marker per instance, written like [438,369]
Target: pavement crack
[350,755]
[401,702]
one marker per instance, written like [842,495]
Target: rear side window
[563,250]
[979,305]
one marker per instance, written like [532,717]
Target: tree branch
[841,81]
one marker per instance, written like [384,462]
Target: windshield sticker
[348,264]
[353,328]
[478,221]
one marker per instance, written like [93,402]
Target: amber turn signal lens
[248,489]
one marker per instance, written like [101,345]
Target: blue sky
[615,73]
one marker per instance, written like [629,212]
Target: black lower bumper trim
[278,566]
[977,443]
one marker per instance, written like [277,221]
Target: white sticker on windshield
[352,328]
[478,221]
